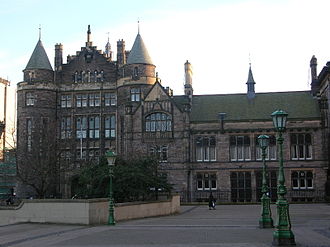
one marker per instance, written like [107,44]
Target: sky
[218,37]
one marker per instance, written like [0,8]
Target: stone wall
[85,212]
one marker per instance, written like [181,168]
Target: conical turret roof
[139,52]
[39,58]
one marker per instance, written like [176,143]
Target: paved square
[196,226]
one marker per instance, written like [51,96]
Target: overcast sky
[218,37]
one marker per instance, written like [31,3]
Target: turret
[313,65]
[58,61]
[250,85]
[121,54]
[36,108]
[314,78]
[188,89]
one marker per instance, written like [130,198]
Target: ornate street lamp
[283,234]
[266,220]
[111,157]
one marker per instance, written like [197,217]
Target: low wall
[86,212]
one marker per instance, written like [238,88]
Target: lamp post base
[266,223]
[266,220]
[283,235]
[283,238]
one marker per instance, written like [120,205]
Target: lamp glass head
[279,120]
[263,141]
[111,157]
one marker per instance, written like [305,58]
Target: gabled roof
[205,108]
[39,58]
[139,53]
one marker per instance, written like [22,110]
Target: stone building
[205,143]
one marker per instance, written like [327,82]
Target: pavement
[195,226]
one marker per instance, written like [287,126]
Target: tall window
[81,100]
[270,150]
[302,180]
[75,77]
[94,99]
[110,99]
[94,127]
[205,148]
[206,181]
[271,178]
[301,146]
[160,152]
[241,186]
[240,148]
[158,122]
[81,127]
[136,72]
[30,100]
[66,101]
[135,94]
[65,127]
[110,126]
[29,134]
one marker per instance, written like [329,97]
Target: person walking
[211,202]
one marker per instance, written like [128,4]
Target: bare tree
[37,164]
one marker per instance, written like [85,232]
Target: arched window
[102,75]
[76,76]
[158,122]
[136,71]
[95,76]
[88,76]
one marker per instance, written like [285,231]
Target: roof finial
[250,59]
[138,26]
[108,33]
[88,33]
[39,31]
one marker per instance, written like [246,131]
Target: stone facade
[98,104]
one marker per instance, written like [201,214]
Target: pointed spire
[250,76]
[108,52]
[39,58]
[250,84]
[139,53]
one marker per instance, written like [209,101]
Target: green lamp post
[111,157]
[283,234]
[266,220]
